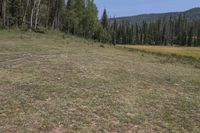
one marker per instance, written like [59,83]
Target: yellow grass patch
[168,50]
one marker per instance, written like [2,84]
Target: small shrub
[102,46]
[40,30]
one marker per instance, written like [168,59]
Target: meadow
[56,83]
[193,52]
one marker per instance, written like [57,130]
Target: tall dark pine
[104,20]
[114,31]
[136,33]
[190,36]
[198,37]
[164,34]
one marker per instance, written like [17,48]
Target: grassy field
[193,52]
[55,83]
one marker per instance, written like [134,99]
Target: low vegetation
[58,83]
[193,52]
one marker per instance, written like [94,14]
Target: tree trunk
[4,5]
[37,13]
[25,12]
[32,14]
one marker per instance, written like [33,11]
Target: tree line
[173,31]
[31,13]
[80,17]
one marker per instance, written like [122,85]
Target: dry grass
[59,83]
[193,52]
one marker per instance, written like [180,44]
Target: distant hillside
[191,15]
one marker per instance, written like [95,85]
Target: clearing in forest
[58,83]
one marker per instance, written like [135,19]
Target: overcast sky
[134,7]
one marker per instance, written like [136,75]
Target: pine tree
[91,20]
[163,41]
[79,9]
[136,34]
[144,30]
[198,37]
[71,16]
[114,28]
[104,20]
[190,36]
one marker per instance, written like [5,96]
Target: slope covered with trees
[78,17]
[178,31]
[191,15]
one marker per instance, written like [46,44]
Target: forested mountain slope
[191,15]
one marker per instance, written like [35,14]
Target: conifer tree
[104,20]
[136,33]
[198,36]
[190,36]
